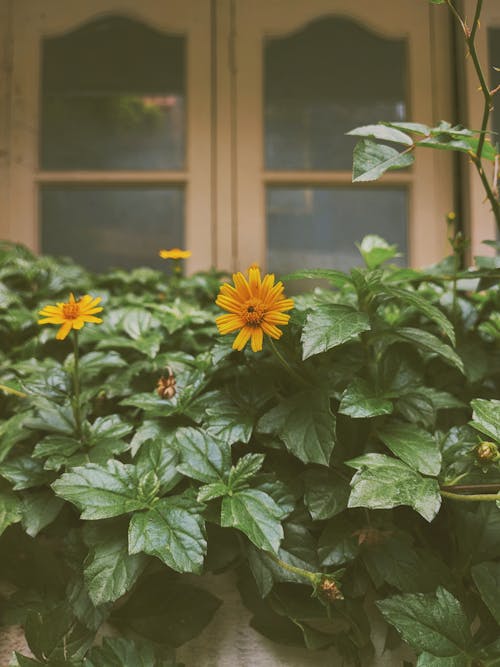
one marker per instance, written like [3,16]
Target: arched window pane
[319,227]
[113,97]
[103,228]
[323,81]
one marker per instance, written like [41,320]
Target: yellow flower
[255,307]
[175,253]
[71,315]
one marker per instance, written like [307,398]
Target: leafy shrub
[344,467]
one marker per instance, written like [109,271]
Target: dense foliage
[329,476]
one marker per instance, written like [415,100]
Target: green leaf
[383,133]
[138,323]
[173,531]
[422,305]
[331,325]
[371,160]
[436,625]
[160,457]
[360,401]
[375,250]
[150,430]
[203,457]
[412,445]
[257,515]
[487,579]
[40,508]
[335,278]
[166,610]
[102,492]
[52,418]
[12,431]
[430,343]
[121,652]
[428,660]
[24,472]
[56,636]
[110,571]
[486,417]
[305,424]
[325,494]
[416,128]
[96,362]
[383,482]
[108,428]
[213,490]
[229,422]
[10,510]
[246,468]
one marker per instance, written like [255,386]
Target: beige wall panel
[5,106]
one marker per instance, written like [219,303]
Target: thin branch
[492,497]
[486,488]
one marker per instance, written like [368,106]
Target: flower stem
[472,497]
[15,392]
[76,386]
[285,363]
[306,574]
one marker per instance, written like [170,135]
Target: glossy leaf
[412,445]
[371,160]
[383,482]
[331,325]
[359,400]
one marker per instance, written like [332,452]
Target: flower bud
[330,590]
[487,452]
[166,386]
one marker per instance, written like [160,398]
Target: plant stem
[471,497]
[15,392]
[470,38]
[487,488]
[76,386]
[285,363]
[306,574]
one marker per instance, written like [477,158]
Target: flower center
[253,312]
[71,311]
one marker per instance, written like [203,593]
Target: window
[219,126]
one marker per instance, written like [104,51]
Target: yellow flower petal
[242,338]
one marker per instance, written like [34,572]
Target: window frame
[29,27]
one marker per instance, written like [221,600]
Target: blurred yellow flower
[175,253]
[71,315]
[255,307]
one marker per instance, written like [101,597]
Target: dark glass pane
[113,97]
[112,227]
[318,228]
[322,82]
[494,61]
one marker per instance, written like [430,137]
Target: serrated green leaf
[110,571]
[383,482]
[213,490]
[371,160]
[246,468]
[436,625]
[486,417]
[257,515]
[55,636]
[150,430]
[430,343]
[24,472]
[428,660]
[12,431]
[422,305]
[203,457]
[101,492]
[39,509]
[10,510]
[360,401]
[138,323]
[331,325]
[305,424]
[229,422]
[412,445]
[375,250]
[383,133]
[121,652]
[109,427]
[325,493]
[160,457]
[173,531]
[487,579]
